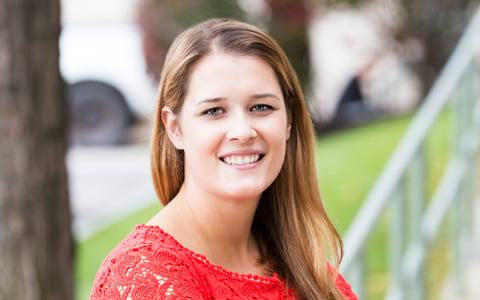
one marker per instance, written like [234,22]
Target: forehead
[226,72]
[220,59]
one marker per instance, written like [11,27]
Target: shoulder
[147,264]
[344,287]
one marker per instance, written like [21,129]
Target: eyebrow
[266,95]
[211,100]
[254,96]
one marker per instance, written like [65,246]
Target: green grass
[348,163]
[91,253]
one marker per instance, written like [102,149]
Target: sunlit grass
[91,253]
[349,162]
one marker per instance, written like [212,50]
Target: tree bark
[36,253]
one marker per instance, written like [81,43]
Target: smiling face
[232,126]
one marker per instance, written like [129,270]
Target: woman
[233,163]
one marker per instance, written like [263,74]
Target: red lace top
[151,264]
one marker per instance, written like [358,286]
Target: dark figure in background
[352,110]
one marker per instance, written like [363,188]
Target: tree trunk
[35,236]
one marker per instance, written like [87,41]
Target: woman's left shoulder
[344,287]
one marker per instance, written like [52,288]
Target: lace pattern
[151,264]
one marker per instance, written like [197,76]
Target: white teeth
[242,160]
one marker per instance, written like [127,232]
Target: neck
[220,220]
[220,229]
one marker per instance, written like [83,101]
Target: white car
[107,84]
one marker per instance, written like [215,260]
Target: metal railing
[401,188]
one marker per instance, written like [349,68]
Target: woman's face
[233,126]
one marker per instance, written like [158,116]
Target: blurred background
[366,67]
[381,55]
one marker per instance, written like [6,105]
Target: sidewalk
[107,184]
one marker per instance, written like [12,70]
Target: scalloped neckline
[203,259]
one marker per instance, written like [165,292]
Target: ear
[289,122]
[289,128]
[172,127]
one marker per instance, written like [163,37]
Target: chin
[245,193]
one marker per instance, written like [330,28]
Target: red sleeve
[344,287]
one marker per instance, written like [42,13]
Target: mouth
[240,160]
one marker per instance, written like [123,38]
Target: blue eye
[261,107]
[214,111]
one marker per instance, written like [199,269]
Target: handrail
[448,82]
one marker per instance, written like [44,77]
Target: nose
[241,130]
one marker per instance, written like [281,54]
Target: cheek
[201,139]
[277,130]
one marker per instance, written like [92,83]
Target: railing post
[464,113]
[396,246]
[467,148]
[356,276]
[458,121]
[471,155]
[416,184]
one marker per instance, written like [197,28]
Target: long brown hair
[291,223]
